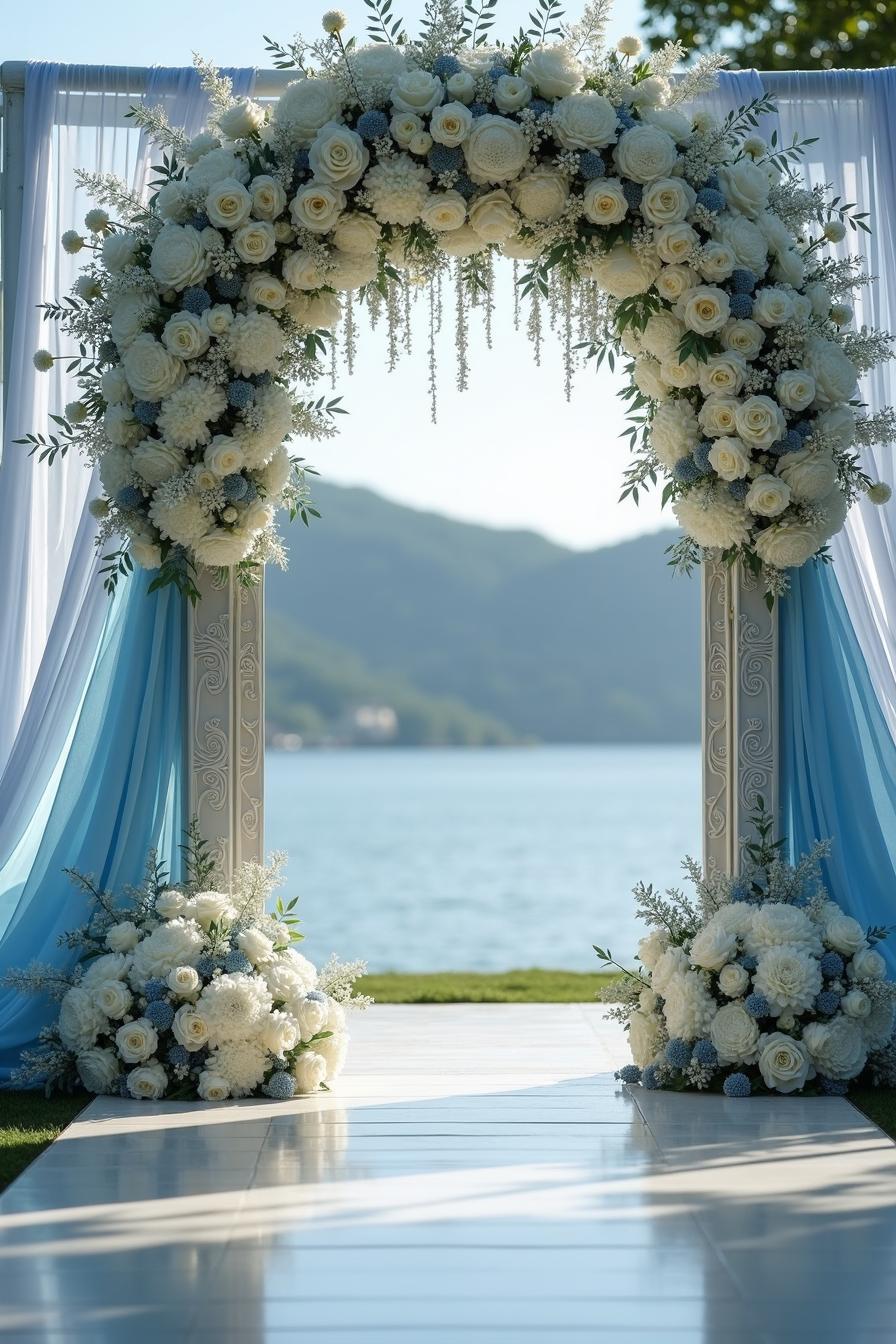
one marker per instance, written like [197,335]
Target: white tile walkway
[477,1177]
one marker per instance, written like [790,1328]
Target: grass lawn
[879,1104]
[28,1122]
[532,986]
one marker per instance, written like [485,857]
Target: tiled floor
[477,1177]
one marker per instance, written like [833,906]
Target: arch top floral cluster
[685,242]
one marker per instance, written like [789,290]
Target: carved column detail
[740,709]
[225,729]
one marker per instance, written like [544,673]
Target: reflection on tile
[504,1191]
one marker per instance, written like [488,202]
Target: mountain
[474,634]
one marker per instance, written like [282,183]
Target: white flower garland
[686,245]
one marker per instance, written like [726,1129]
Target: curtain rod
[128,79]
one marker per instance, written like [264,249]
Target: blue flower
[803,428]
[155,989]
[833,1087]
[280,1086]
[736,1085]
[317,995]
[234,487]
[497,71]
[445,158]
[465,185]
[591,165]
[757,1005]
[625,118]
[827,1002]
[160,1014]
[712,181]
[539,106]
[196,299]
[108,352]
[251,492]
[743,281]
[632,191]
[711,199]
[179,1056]
[200,220]
[738,489]
[791,442]
[741,306]
[129,497]
[831,965]
[147,412]
[237,961]
[478,109]
[240,393]
[748,963]
[650,1078]
[678,1053]
[701,454]
[229,288]
[740,889]
[302,162]
[705,1053]
[261,379]
[123,1090]
[206,966]
[446,66]
[373,124]
[629,1073]
[686,471]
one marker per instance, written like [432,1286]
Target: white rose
[795,389]
[307,105]
[645,153]
[649,92]
[136,1040]
[837,1047]
[185,335]
[745,186]
[867,964]
[338,156]
[743,335]
[554,72]
[678,124]
[496,150]
[856,1004]
[834,507]
[310,1071]
[541,194]
[784,1063]
[417,91]
[268,197]
[811,475]
[768,496]
[190,1028]
[303,270]
[256,945]
[462,242]
[223,456]
[280,1033]
[241,119]
[178,258]
[675,242]
[444,211]
[673,280]
[152,372]
[123,937]
[317,207]
[772,306]
[703,309]
[760,422]
[840,424]
[228,204]
[183,981]
[404,127]
[677,373]
[745,240]
[450,124]
[212,1086]
[819,296]
[734,1034]
[652,947]
[314,310]
[643,1037]
[221,547]
[98,1069]
[119,251]
[217,319]
[509,92]
[603,201]
[623,273]
[729,458]
[723,375]
[265,291]
[716,261]
[713,519]
[789,268]
[148,1083]
[733,980]
[718,416]
[113,998]
[674,431]
[844,934]
[493,217]
[462,86]
[584,121]
[713,947]
[255,242]
[835,376]
[787,545]
[669,200]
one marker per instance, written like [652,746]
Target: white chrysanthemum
[775,923]
[80,1019]
[644,1035]
[120,427]
[789,977]
[241,1062]
[186,415]
[541,194]
[290,976]
[275,474]
[180,517]
[177,942]
[652,947]
[255,342]
[689,1008]
[222,547]
[674,431]
[662,334]
[398,189]
[673,962]
[838,1048]
[234,1006]
[735,1035]
[713,946]
[712,518]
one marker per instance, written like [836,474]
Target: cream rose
[795,389]
[856,1004]
[554,72]
[496,150]
[733,980]
[703,309]
[867,964]
[760,421]
[716,261]
[772,306]
[675,242]
[713,947]
[645,153]
[673,280]
[152,372]
[811,475]
[542,194]
[190,1027]
[223,456]
[317,207]
[338,156]
[768,496]
[493,217]
[729,458]
[185,335]
[268,197]
[304,270]
[444,211]
[228,204]
[680,373]
[745,186]
[403,127]
[584,121]
[734,1034]
[136,1040]
[784,1063]
[509,92]
[184,981]
[669,200]
[723,374]
[603,201]
[98,1069]
[743,335]
[156,461]
[417,91]
[113,998]
[786,545]
[450,124]
[148,1082]
[255,242]
[265,291]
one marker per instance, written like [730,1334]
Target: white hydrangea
[241,1062]
[712,518]
[398,189]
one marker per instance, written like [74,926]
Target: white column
[740,709]
[225,727]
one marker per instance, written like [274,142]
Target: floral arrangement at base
[187,992]
[640,227]
[761,985]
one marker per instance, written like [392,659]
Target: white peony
[787,545]
[775,923]
[493,217]
[584,121]
[703,309]
[554,72]
[745,240]
[673,280]
[357,233]
[398,189]
[789,977]
[152,372]
[652,947]
[314,311]
[338,156]
[647,376]
[184,981]
[120,427]
[789,268]
[317,207]
[98,1069]
[713,947]
[623,273]
[178,258]
[113,998]
[352,272]
[689,1007]
[311,1014]
[123,937]
[148,1082]
[811,475]
[310,1071]
[223,547]
[333,1050]
[542,194]
[256,945]
[713,520]
[450,124]
[735,1035]
[675,244]
[768,496]
[110,966]
[737,917]
[255,342]
[80,1019]
[644,1036]
[760,421]
[603,201]
[838,424]
[733,980]
[669,200]
[674,431]
[137,1040]
[784,1063]
[234,1006]
[178,942]
[186,336]
[495,150]
[722,375]
[867,964]
[214,166]
[208,907]
[308,104]
[186,415]
[119,250]
[838,1048]
[645,153]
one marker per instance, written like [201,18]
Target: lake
[487,860]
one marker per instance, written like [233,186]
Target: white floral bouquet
[185,991]
[763,984]
[649,230]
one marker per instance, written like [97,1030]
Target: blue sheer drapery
[95,769]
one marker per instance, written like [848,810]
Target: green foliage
[30,1122]
[199,866]
[382,25]
[789,35]
[477,21]
[522,986]
[116,565]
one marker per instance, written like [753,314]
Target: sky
[509,452]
